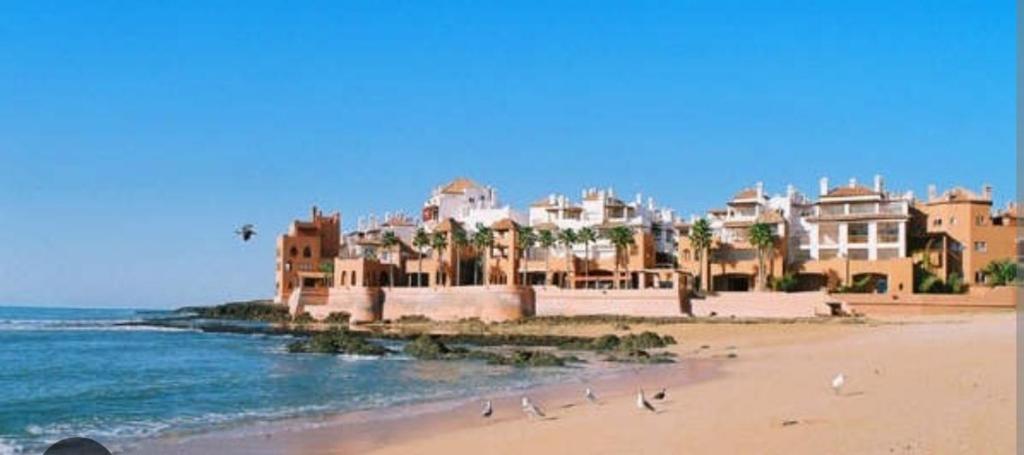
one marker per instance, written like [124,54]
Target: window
[937,222]
[980,247]
[979,220]
[868,207]
[888,253]
[858,254]
[888,232]
[828,234]
[827,254]
[979,277]
[306,252]
[857,233]
[952,221]
[293,252]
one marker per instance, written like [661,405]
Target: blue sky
[135,136]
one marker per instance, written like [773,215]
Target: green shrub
[785,283]
[1001,273]
[303,318]
[338,317]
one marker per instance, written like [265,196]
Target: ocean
[75,372]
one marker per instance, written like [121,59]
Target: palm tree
[700,240]
[1001,272]
[567,238]
[762,238]
[459,240]
[621,237]
[389,241]
[526,240]
[587,236]
[547,240]
[439,241]
[420,241]
[483,240]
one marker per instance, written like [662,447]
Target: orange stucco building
[302,253]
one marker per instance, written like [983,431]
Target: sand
[929,384]
[937,384]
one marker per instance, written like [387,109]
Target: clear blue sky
[135,136]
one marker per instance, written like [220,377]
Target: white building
[467,202]
[857,222]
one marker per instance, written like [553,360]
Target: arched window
[294,252]
[306,252]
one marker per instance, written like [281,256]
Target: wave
[14,325]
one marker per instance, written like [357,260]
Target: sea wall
[763,304]
[552,301]
[362,304]
[488,303]
[977,298]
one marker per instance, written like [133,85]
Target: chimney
[639,199]
[823,186]
[986,192]
[650,203]
[878,183]
[760,189]
[611,192]
[853,182]
[790,191]
[933,193]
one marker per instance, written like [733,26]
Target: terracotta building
[303,254]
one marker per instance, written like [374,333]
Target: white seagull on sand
[488,409]
[642,403]
[589,395]
[531,409]
[838,382]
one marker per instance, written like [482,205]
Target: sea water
[78,372]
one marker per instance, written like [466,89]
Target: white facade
[857,223]
[467,203]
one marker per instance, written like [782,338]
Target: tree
[568,238]
[586,237]
[438,242]
[420,241]
[526,239]
[459,241]
[389,241]
[1001,272]
[621,237]
[546,239]
[327,268]
[700,240]
[483,240]
[762,238]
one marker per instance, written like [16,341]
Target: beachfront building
[734,262]
[304,256]
[585,256]
[963,234]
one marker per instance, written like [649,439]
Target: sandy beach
[925,384]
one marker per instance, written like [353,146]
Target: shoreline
[359,431]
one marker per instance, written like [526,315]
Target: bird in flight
[660,395]
[246,232]
[642,403]
[838,383]
[488,409]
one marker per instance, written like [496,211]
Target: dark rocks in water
[625,343]
[252,310]
[426,347]
[337,317]
[338,341]
[642,356]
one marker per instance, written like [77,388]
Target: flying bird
[246,232]
[531,409]
[838,382]
[642,403]
[488,410]
[660,395]
[589,395]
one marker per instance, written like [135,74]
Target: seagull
[488,410]
[642,403]
[838,382]
[246,232]
[531,409]
[589,395]
[660,395]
